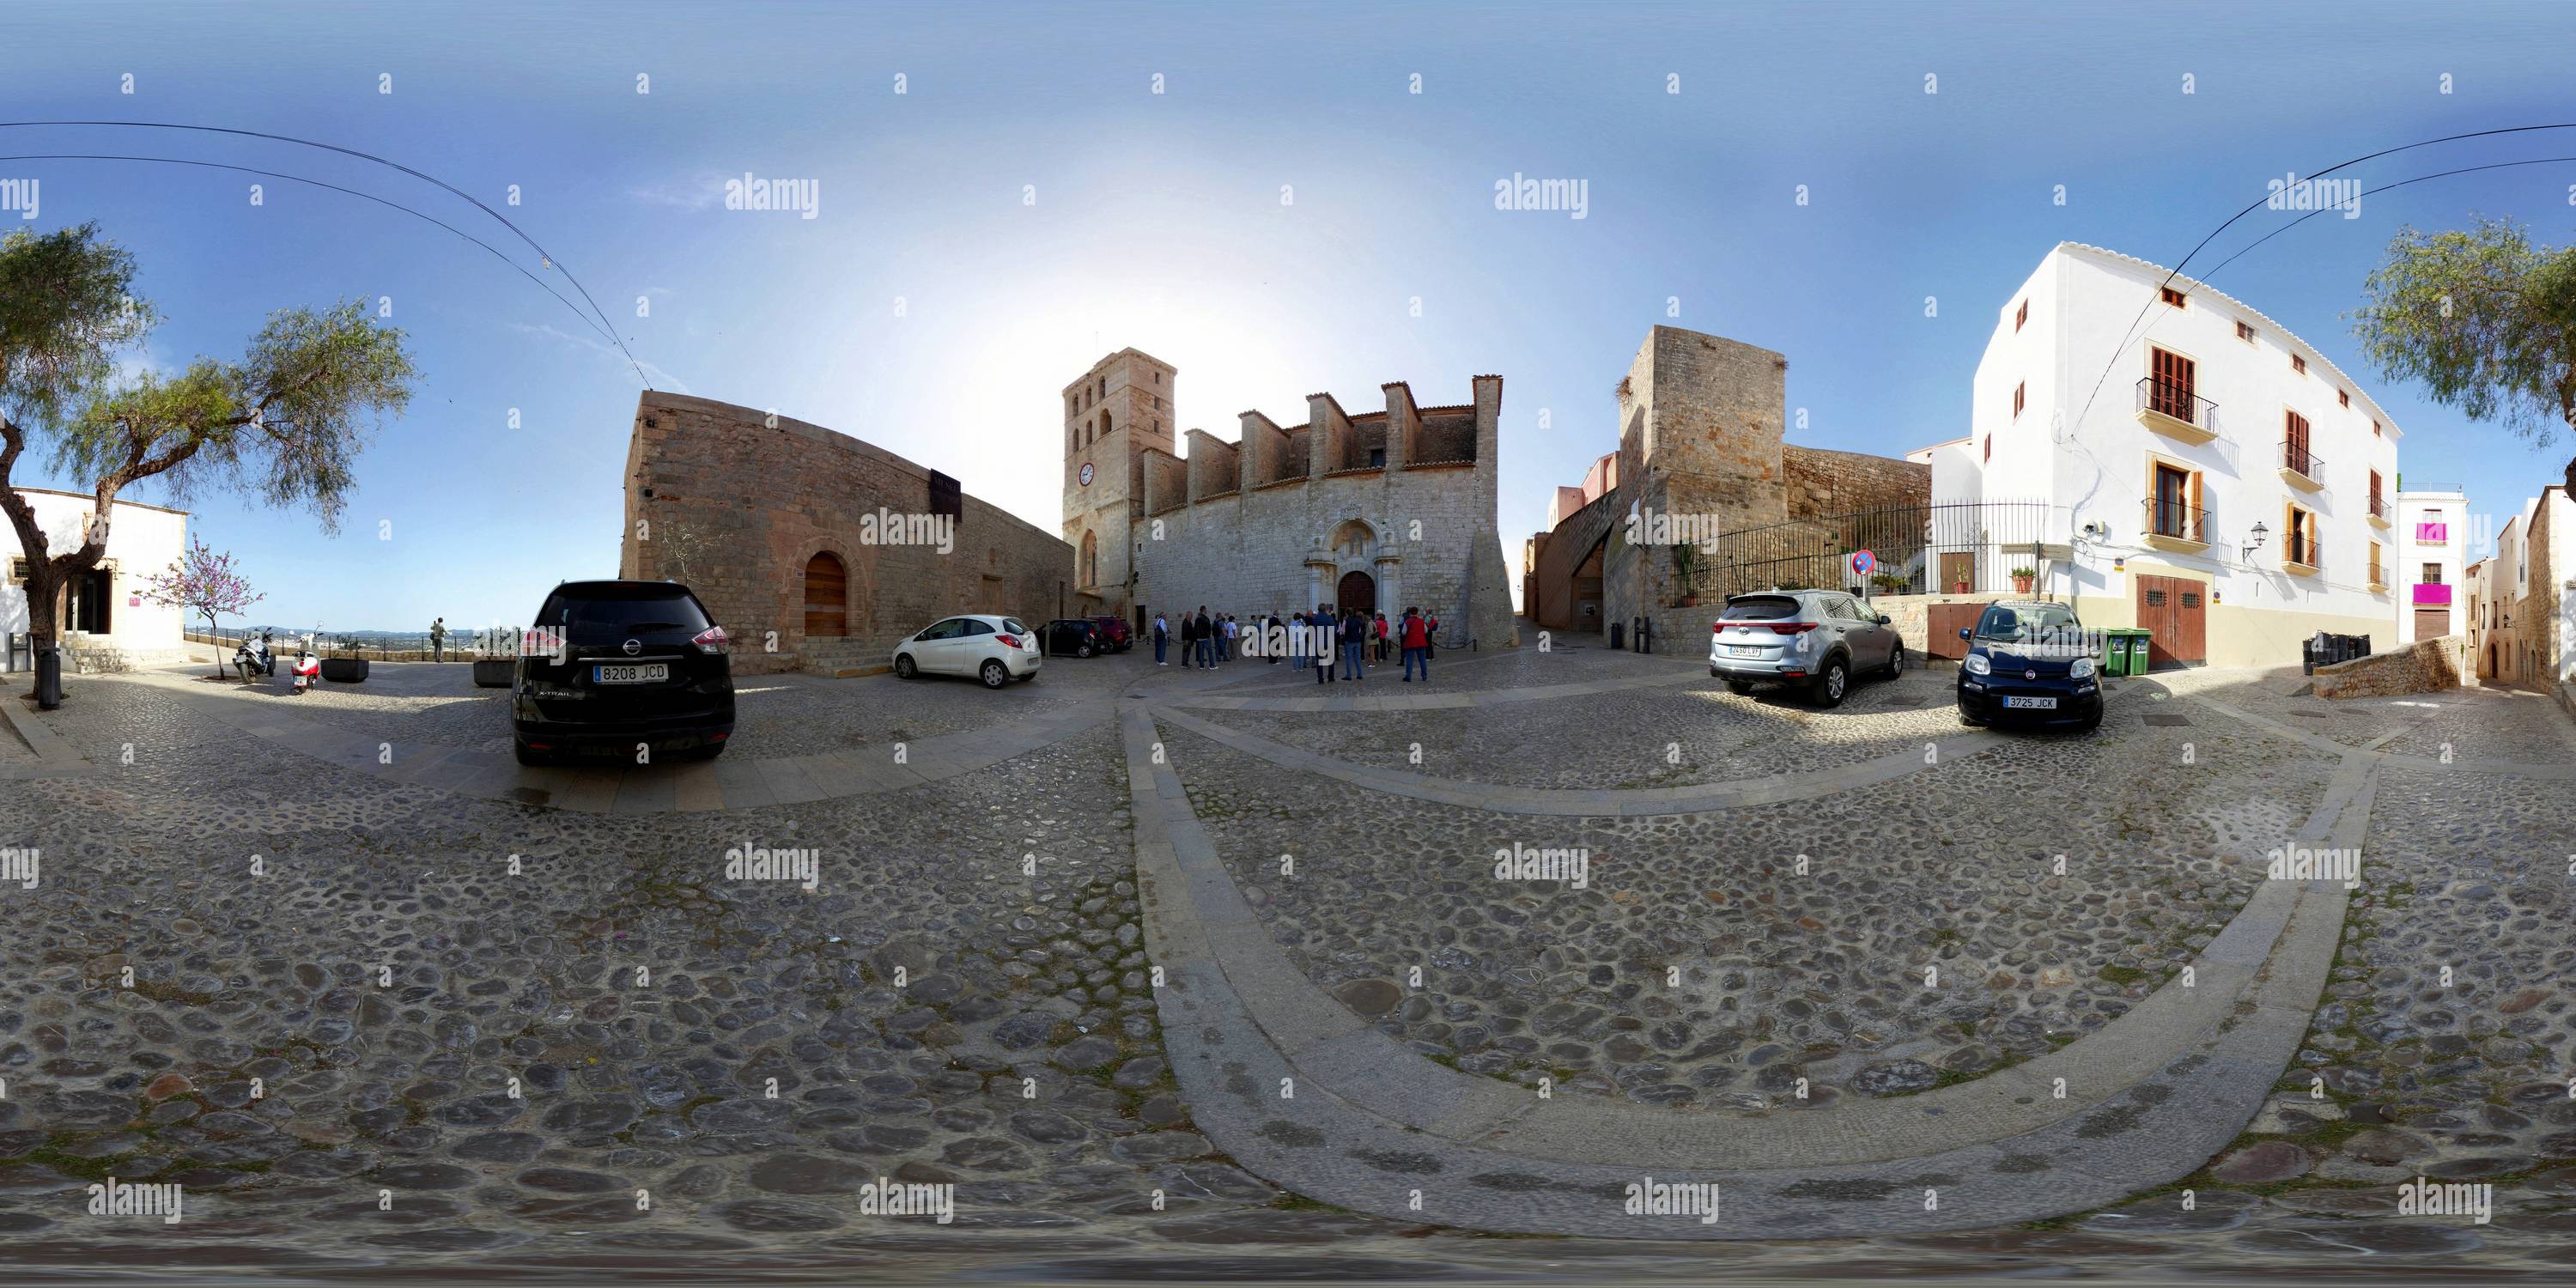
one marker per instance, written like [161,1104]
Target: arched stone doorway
[827,597]
[1090,569]
[1358,590]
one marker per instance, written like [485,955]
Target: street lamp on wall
[2259,534]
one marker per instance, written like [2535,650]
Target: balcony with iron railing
[2300,555]
[2170,408]
[2382,512]
[2301,468]
[2172,524]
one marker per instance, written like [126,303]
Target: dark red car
[1114,633]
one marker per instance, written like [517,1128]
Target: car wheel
[1742,689]
[1083,649]
[1896,662]
[529,755]
[1832,683]
[995,675]
[2092,722]
[903,667]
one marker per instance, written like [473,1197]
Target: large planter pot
[345,670]
[494,673]
[2021,585]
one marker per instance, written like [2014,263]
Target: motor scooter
[308,671]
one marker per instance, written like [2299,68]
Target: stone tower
[1112,414]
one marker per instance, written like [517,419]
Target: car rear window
[601,610]
[1013,624]
[1760,608]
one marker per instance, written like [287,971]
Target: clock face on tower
[1086,473]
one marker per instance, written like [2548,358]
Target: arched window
[1104,422]
[1090,559]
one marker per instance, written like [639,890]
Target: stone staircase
[841,658]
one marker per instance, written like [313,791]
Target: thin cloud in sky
[661,379]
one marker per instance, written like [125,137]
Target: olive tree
[284,423]
[2485,319]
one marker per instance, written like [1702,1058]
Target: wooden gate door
[2432,623]
[827,598]
[1357,590]
[2175,612]
[1958,573]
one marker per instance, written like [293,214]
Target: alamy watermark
[2291,192]
[125,1198]
[802,196]
[19,195]
[1572,196]
[747,862]
[888,528]
[23,866]
[1651,1197]
[1572,866]
[2421,1197]
[2302,863]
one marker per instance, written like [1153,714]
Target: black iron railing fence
[1915,549]
[2176,399]
[2173,518]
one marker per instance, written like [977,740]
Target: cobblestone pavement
[1663,736]
[334,981]
[1814,974]
[775,715]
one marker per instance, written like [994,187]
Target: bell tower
[1112,414]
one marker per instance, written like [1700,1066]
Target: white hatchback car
[996,650]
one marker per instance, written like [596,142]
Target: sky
[1275,200]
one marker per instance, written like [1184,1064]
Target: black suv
[611,664]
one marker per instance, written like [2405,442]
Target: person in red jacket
[1415,635]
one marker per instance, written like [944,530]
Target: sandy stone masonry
[1403,500]
[735,504]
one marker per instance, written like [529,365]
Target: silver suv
[1812,638]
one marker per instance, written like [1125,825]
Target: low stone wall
[2421,667]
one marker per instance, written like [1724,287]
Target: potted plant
[1685,562]
[1888,583]
[2021,580]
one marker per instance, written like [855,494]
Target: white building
[2211,476]
[2431,564]
[105,606]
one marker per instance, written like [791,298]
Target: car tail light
[1008,641]
[712,640]
[540,642]
[1716,627]
[1792,628]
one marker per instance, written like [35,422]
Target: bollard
[49,677]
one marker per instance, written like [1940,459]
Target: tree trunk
[41,589]
[2571,476]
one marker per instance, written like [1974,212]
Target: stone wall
[1700,436]
[734,508]
[1823,483]
[2424,666]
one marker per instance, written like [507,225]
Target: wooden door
[827,598]
[2172,392]
[2174,610]
[1941,626]
[1958,570]
[2294,445]
[2432,623]
[1357,590]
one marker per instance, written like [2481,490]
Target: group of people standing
[1311,639]
[1205,640]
